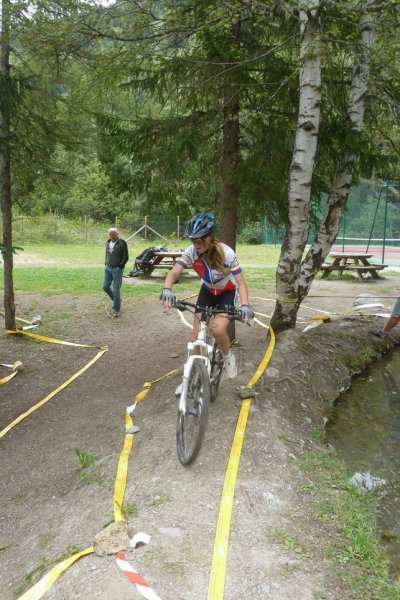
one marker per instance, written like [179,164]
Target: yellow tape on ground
[42,586]
[263,364]
[302,305]
[122,471]
[44,338]
[220,555]
[18,319]
[218,568]
[5,379]
[52,394]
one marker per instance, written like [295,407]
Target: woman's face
[201,245]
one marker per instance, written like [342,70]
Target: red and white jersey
[215,281]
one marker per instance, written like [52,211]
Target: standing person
[116,258]
[391,321]
[221,277]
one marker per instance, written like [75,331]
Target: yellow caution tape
[288,300]
[220,555]
[122,470]
[42,586]
[18,319]
[8,377]
[44,338]
[53,393]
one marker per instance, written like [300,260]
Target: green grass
[355,548]
[78,269]
[44,565]
[92,254]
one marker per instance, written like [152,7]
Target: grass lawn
[78,269]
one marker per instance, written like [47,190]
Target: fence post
[145,228]
[177,227]
[385,221]
[86,231]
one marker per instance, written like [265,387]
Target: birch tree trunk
[301,169]
[5,183]
[339,193]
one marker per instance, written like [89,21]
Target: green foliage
[44,565]
[88,467]
[336,503]
[32,577]
[172,134]
[160,499]
[250,234]
[130,509]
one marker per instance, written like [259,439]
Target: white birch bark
[301,168]
[344,172]
[297,285]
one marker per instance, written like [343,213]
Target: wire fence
[370,222]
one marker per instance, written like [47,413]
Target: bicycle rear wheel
[217,364]
[191,426]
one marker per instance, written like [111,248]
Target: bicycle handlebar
[230,311]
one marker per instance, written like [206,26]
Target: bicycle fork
[188,367]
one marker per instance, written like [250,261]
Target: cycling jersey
[215,281]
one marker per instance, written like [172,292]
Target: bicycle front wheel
[192,424]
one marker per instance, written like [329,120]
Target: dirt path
[46,509]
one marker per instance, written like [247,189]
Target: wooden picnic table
[165,260]
[352,261]
[156,260]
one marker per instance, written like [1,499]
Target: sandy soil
[47,509]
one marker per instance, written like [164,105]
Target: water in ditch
[365,432]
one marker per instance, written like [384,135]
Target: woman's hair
[215,254]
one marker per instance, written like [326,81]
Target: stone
[112,539]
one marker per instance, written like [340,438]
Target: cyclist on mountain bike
[221,277]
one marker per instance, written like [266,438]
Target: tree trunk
[340,188]
[230,154]
[338,196]
[301,169]
[5,172]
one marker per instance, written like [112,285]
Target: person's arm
[167,297]
[244,297]
[125,254]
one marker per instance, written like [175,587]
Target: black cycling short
[206,298]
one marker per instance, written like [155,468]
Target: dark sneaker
[115,313]
[380,333]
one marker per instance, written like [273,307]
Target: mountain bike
[200,383]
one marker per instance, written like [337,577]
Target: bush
[250,234]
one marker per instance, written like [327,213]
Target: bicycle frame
[205,353]
[199,386]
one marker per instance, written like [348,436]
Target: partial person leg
[219,330]
[117,283]
[391,322]
[108,278]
